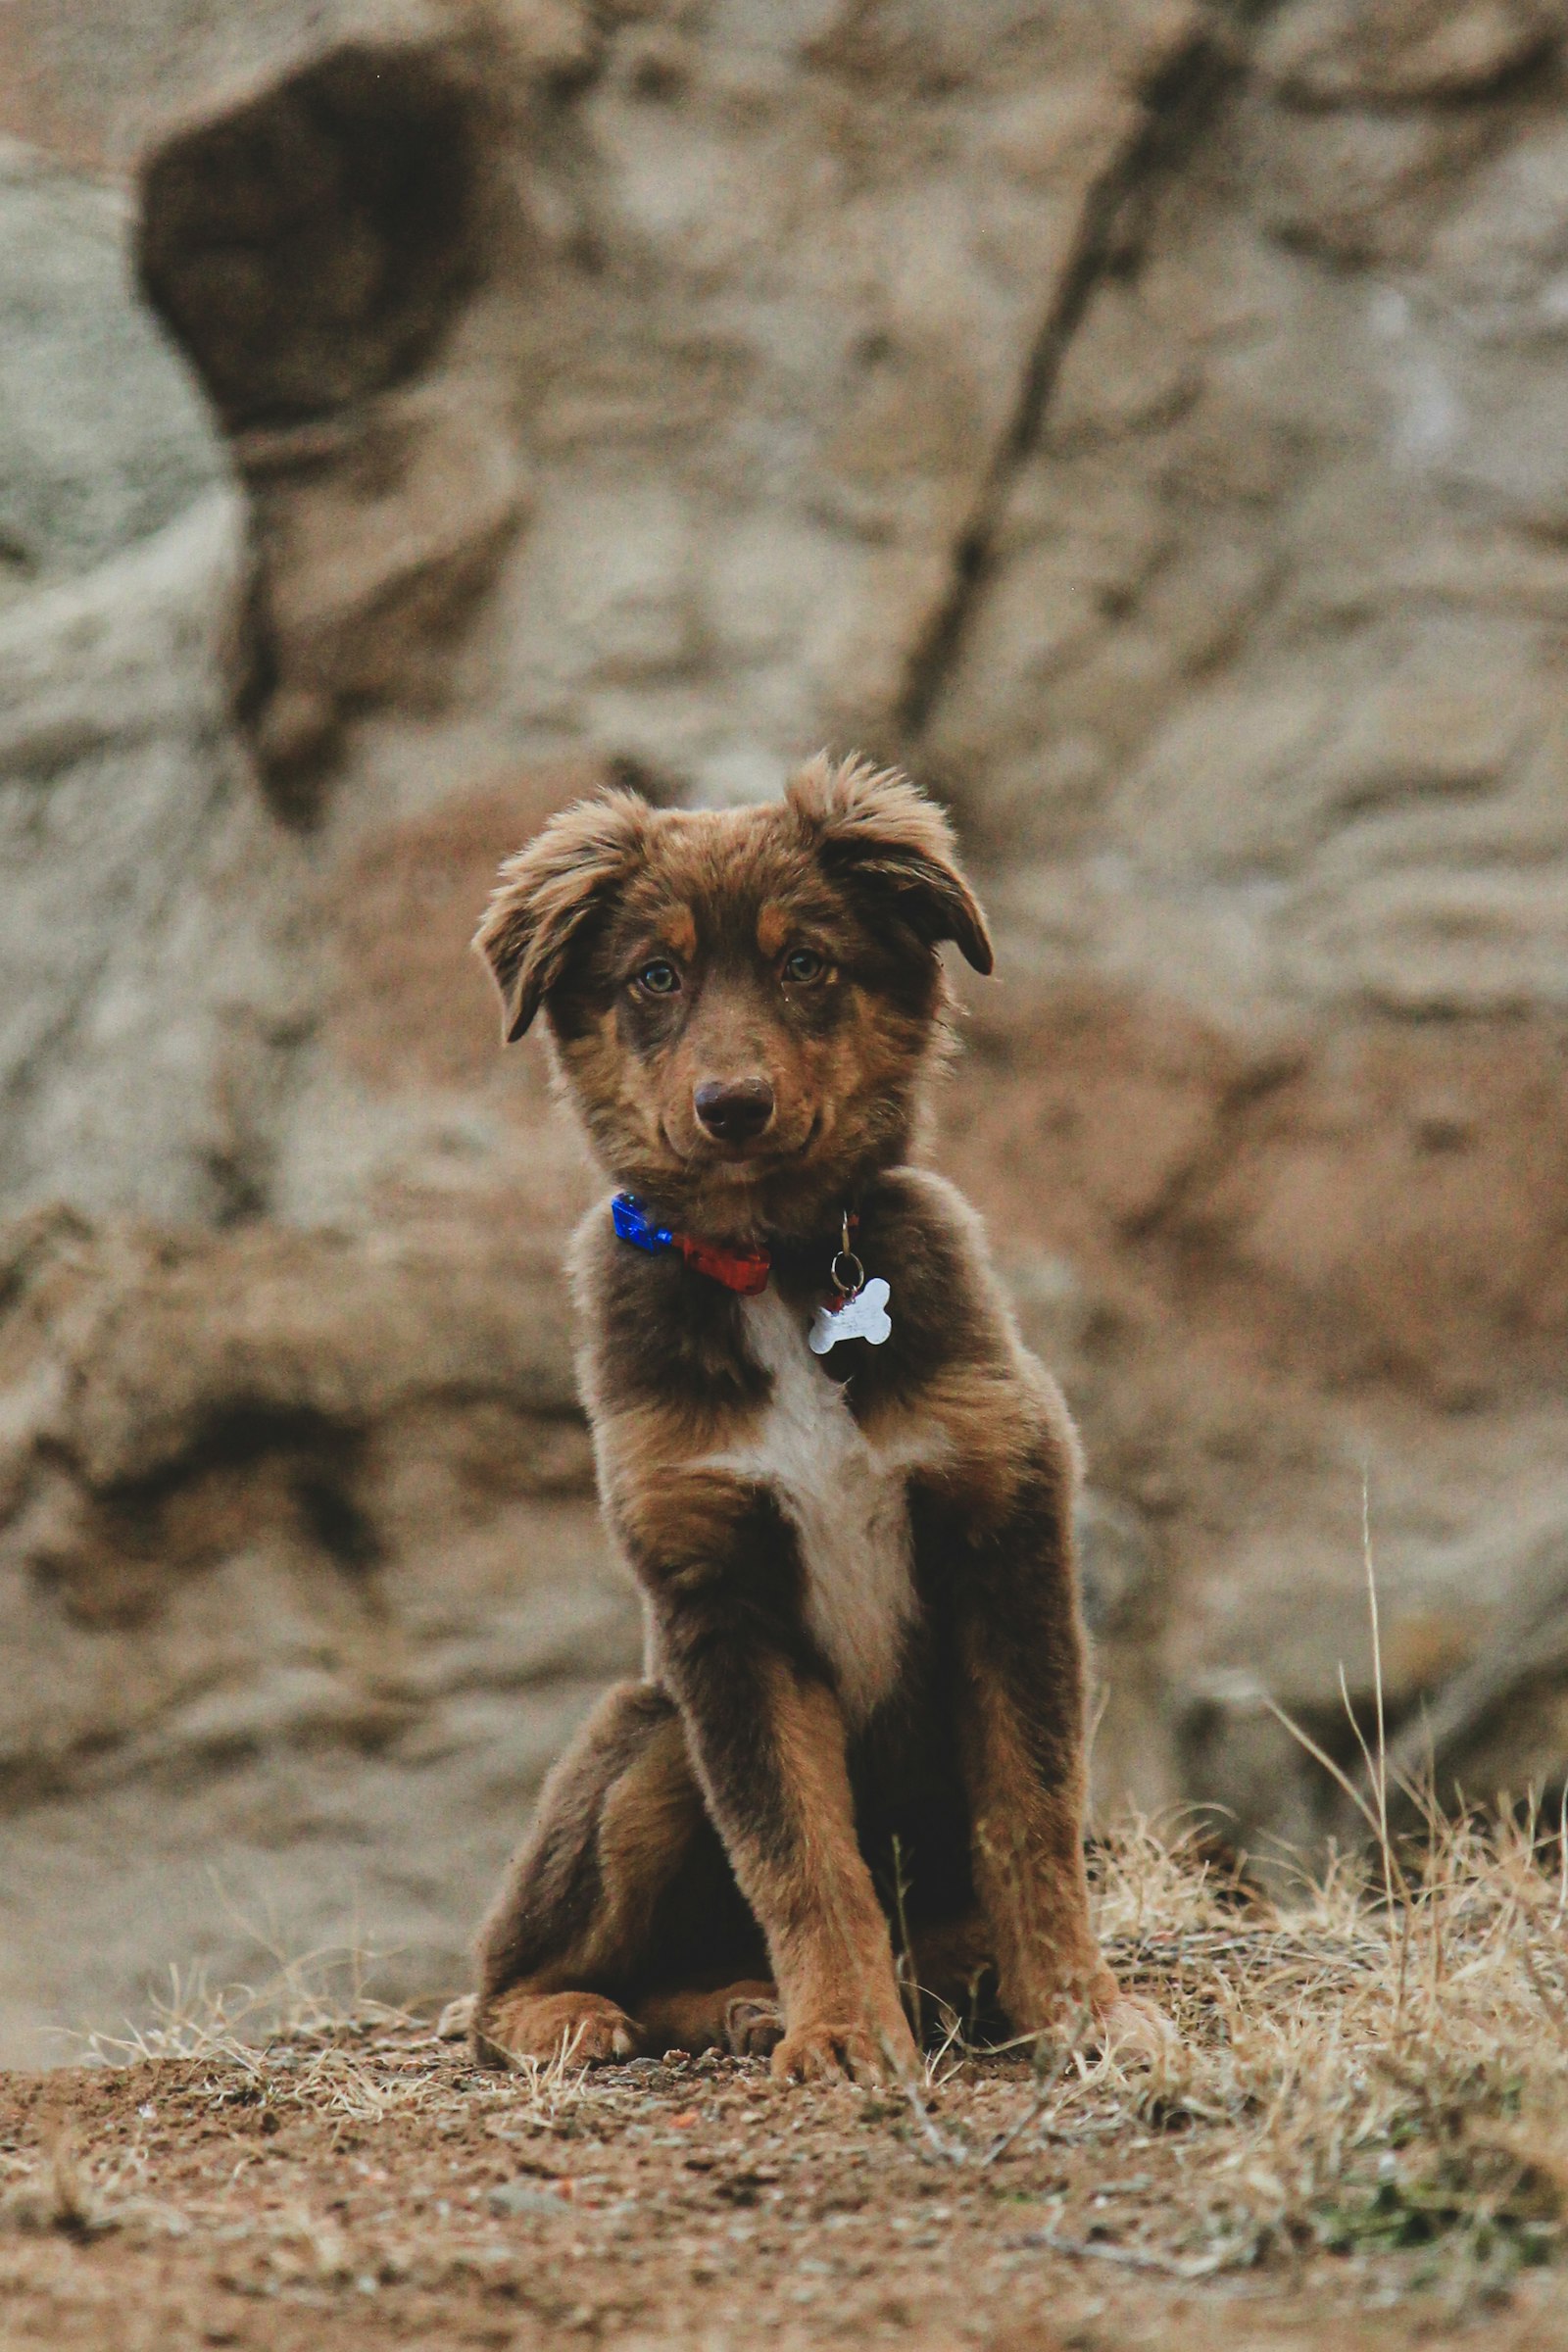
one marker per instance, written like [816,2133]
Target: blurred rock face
[1146,422]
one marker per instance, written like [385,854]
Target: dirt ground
[361,2183]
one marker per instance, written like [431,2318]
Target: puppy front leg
[767,1738]
[1021,1737]
[769,1745]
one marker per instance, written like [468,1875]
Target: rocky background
[1146,419]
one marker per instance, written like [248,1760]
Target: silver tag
[863,1317]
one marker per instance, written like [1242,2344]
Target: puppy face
[743,1002]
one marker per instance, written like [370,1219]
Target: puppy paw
[1099,2018]
[455,2021]
[831,2053]
[753,2028]
[1131,2031]
[582,2027]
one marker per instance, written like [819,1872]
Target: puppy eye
[805,965]
[658,978]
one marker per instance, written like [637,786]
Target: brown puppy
[863,1684]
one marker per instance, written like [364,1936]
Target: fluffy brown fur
[864,1682]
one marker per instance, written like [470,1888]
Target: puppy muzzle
[734,1110]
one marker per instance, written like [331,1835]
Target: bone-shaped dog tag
[863,1317]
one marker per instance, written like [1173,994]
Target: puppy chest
[846,1501]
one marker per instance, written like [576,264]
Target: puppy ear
[873,824]
[547,891]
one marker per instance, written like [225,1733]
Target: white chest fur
[845,1499]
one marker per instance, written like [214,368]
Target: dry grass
[1359,2071]
[318,1993]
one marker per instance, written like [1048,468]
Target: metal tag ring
[849,1275]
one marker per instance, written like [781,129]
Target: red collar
[742,1271]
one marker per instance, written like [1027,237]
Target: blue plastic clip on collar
[631,1223]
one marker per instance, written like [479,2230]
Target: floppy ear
[547,891]
[872,824]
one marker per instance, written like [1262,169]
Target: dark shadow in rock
[311,245]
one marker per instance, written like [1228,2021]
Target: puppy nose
[734,1110]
